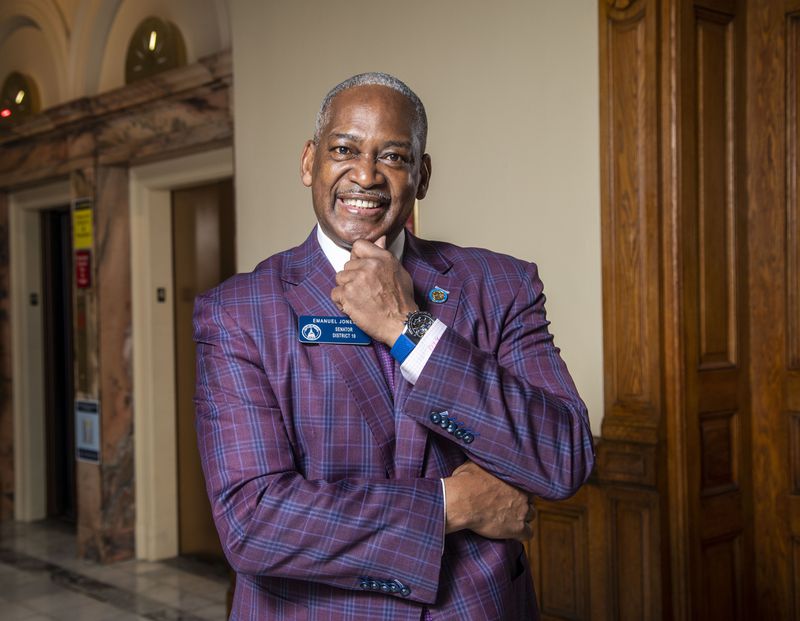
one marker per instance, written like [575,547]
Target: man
[345,484]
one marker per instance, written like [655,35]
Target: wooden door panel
[714,285]
[562,567]
[792,195]
[716,200]
[719,453]
[722,586]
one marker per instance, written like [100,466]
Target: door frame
[154,417]
[27,342]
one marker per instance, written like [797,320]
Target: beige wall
[511,90]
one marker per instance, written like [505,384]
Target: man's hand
[375,291]
[482,503]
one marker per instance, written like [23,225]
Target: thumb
[466,466]
[381,242]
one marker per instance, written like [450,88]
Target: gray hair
[375,78]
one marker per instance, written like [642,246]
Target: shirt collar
[338,256]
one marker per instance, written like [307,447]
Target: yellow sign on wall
[82,225]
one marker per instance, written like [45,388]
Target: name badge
[335,330]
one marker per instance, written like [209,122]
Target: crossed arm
[553,436]
[273,521]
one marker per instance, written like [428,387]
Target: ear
[307,162]
[424,176]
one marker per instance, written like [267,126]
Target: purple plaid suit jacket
[326,491]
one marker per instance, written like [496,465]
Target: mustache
[368,194]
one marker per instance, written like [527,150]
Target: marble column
[113,259]
[105,490]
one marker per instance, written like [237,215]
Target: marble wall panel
[113,260]
[174,124]
[87,371]
[90,511]
[41,158]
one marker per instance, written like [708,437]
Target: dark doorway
[58,369]
[203,256]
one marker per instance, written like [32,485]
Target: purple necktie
[387,366]
[387,363]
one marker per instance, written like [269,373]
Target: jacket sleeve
[515,410]
[384,535]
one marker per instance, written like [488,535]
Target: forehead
[372,108]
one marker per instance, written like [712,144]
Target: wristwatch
[417,323]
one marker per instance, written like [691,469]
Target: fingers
[527,529]
[494,508]
[337,296]
[363,248]
[464,468]
[531,514]
[346,275]
[527,532]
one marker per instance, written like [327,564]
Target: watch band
[417,323]
[402,348]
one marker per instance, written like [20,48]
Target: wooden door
[773,139]
[693,511]
[713,287]
[204,255]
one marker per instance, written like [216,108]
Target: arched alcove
[200,22]
[34,41]
[77,48]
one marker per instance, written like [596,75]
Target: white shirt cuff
[412,366]
[444,527]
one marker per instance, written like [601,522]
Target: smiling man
[375,412]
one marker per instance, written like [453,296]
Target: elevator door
[58,370]
[203,256]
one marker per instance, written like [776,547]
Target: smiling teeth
[355,202]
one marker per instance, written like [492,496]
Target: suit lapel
[428,269]
[312,277]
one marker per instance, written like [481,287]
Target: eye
[341,152]
[394,158]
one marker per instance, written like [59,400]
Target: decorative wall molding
[188,105]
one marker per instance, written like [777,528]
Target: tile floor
[41,580]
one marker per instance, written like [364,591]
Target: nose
[365,171]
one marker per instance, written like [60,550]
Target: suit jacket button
[451,427]
[374,585]
[468,438]
[460,433]
[445,422]
[364,585]
[405,591]
[393,588]
[435,418]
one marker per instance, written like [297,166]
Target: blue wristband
[402,347]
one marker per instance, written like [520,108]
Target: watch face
[419,323]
